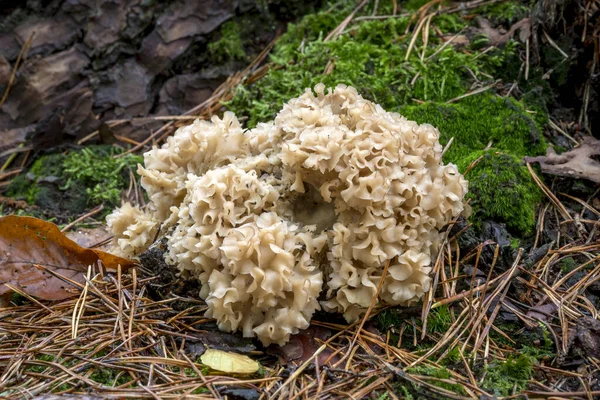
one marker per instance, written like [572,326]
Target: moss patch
[372,57]
[510,376]
[504,13]
[110,377]
[229,47]
[440,373]
[479,122]
[439,320]
[502,190]
[71,183]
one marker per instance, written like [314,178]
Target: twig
[94,211]
[474,92]
[336,32]
[443,46]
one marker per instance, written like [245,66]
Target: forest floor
[513,312]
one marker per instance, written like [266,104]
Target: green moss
[504,378]
[478,122]
[18,299]
[310,28]
[534,346]
[440,373]
[384,396]
[413,5]
[371,56]
[515,243]
[501,189]
[40,368]
[503,12]
[229,47]
[103,175]
[369,61]
[536,343]
[387,319]
[449,22]
[545,345]
[567,265]
[439,320]
[50,165]
[46,166]
[76,180]
[402,390]
[110,377]
[452,357]
[21,187]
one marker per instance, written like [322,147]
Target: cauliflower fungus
[315,202]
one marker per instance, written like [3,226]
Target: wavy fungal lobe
[315,202]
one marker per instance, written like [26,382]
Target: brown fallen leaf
[303,345]
[91,237]
[577,163]
[544,313]
[26,243]
[498,38]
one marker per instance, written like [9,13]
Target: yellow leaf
[230,363]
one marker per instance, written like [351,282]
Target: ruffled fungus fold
[316,201]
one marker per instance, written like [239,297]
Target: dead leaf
[577,163]
[303,345]
[498,38]
[584,338]
[230,363]
[9,202]
[544,313]
[26,243]
[91,237]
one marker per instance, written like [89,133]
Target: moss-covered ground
[72,182]
[459,88]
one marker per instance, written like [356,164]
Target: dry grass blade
[93,212]
[413,40]
[443,46]
[338,30]
[22,56]
[79,307]
[472,93]
[561,208]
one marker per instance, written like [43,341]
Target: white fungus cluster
[313,203]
